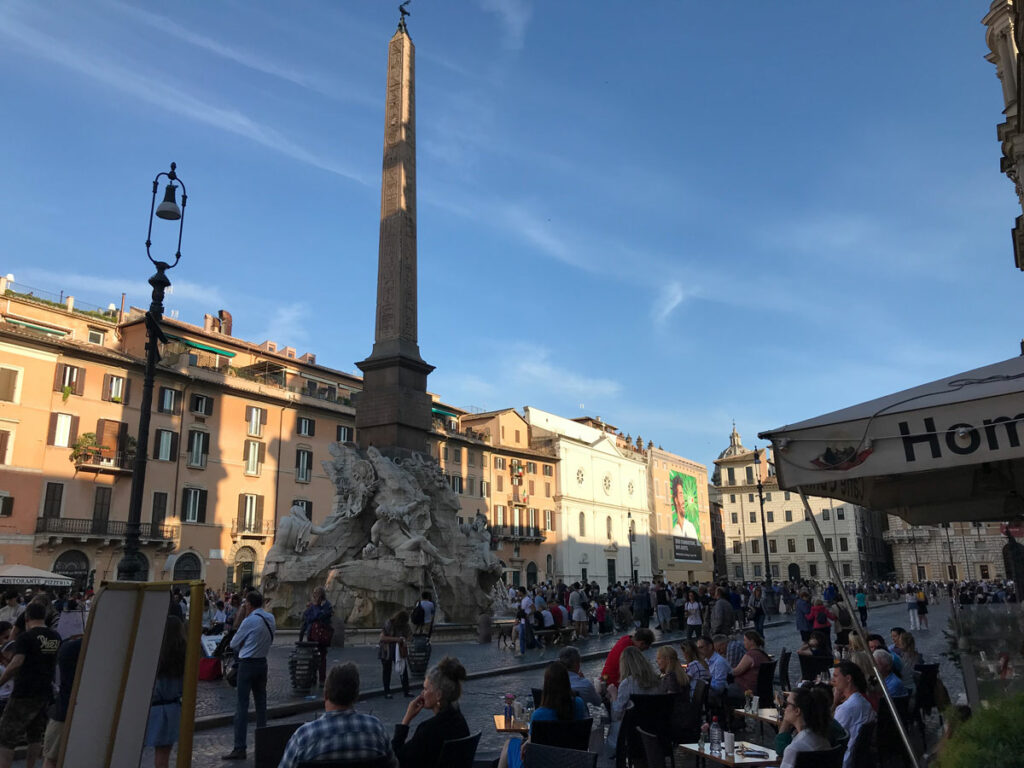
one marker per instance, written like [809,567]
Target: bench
[557,635]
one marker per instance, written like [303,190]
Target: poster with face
[685,517]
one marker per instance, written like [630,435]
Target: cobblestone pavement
[482,696]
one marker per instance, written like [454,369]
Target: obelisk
[393,410]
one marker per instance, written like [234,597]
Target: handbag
[231,672]
[321,633]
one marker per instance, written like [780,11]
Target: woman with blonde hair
[696,667]
[636,676]
[673,677]
[906,646]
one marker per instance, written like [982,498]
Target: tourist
[577,605]
[807,713]
[31,668]
[721,614]
[836,732]
[642,639]
[696,667]
[803,608]
[862,605]
[909,659]
[757,610]
[663,607]
[393,650]
[922,608]
[694,621]
[893,684]
[442,688]
[732,648]
[342,733]
[524,631]
[844,623]
[877,642]
[67,664]
[558,703]
[423,615]
[717,665]
[12,606]
[251,644]
[910,598]
[637,677]
[673,677]
[852,709]
[820,617]
[165,704]
[581,686]
[746,672]
[316,625]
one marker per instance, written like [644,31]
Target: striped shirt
[341,734]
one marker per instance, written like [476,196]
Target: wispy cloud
[288,324]
[514,16]
[671,296]
[101,290]
[532,368]
[164,96]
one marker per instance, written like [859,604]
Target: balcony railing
[251,529]
[106,529]
[517,532]
[119,462]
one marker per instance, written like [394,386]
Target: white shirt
[805,741]
[527,605]
[852,714]
[428,611]
[549,620]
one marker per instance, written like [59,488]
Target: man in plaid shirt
[342,733]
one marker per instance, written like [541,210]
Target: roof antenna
[401,19]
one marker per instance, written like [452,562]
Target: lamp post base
[130,567]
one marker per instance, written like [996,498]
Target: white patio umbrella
[27,576]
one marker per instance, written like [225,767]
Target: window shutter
[312,427]
[248,414]
[80,381]
[105,392]
[184,502]
[156,444]
[241,512]
[122,437]
[338,430]
[309,509]
[245,450]
[106,436]
[208,406]
[177,402]
[259,513]
[7,506]
[5,436]
[263,416]
[126,396]
[73,433]
[206,444]
[298,457]
[262,453]
[160,399]
[58,378]
[51,435]
[202,506]
[193,402]
[174,446]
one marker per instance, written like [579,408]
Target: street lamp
[632,536]
[769,595]
[130,567]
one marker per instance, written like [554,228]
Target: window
[96,337]
[789,515]
[303,465]
[757,570]
[828,543]
[63,430]
[250,513]
[305,427]
[159,513]
[608,526]
[6,504]
[52,499]
[455,481]
[470,486]
[549,471]
[115,388]
[583,524]
[775,570]
[847,570]
[255,418]
[735,518]
[456,454]
[501,483]
[531,487]
[307,507]
[750,474]
[193,505]
[786,495]
[807,516]
[732,498]
[485,489]
[750,498]
[9,390]
[840,513]
[771,516]
[101,509]
[5,444]
[169,401]
[165,445]
[984,571]
[753,516]
[254,454]
[772,546]
[547,490]
[951,570]
[499,514]
[345,434]
[825,515]
[499,462]
[470,458]
[812,570]
[198,448]
[755,546]
[922,573]
[70,379]
[844,544]
[738,570]
[732,475]
[737,547]
[791,545]
[768,496]
[810,545]
[547,520]
[531,467]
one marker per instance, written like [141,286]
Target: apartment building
[853,535]
[238,434]
[953,551]
[681,536]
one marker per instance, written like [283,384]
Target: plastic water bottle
[716,737]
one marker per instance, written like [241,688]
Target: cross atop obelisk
[393,409]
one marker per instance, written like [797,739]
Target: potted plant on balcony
[85,449]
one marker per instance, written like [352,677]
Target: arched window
[74,565]
[583,525]
[549,565]
[608,525]
[531,574]
[187,567]
[245,567]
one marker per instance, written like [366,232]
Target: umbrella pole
[904,736]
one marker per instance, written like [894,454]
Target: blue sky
[667,214]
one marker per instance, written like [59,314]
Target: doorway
[794,572]
[611,571]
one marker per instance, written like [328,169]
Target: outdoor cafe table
[769,716]
[518,727]
[734,759]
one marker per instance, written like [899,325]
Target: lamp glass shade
[169,209]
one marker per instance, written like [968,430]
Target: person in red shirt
[642,639]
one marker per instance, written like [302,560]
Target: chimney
[309,357]
[210,323]
[225,322]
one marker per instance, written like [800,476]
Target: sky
[670,215]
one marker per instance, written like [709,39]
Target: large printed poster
[685,517]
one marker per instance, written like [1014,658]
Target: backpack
[418,614]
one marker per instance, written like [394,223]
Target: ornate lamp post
[130,567]
[632,535]
[769,593]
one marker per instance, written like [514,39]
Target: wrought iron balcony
[87,527]
[119,463]
[245,528]
[517,533]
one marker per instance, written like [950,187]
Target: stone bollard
[303,663]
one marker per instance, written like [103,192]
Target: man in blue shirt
[893,683]
[342,733]
[251,645]
[717,665]
[803,607]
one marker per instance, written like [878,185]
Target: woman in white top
[693,617]
[807,712]
[911,600]
[636,676]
